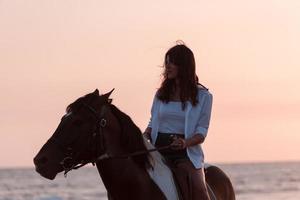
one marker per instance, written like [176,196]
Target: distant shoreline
[213,163]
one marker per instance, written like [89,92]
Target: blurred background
[247,54]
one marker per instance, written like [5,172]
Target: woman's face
[171,69]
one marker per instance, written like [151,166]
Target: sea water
[251,181]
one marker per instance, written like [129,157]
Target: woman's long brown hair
[181,56]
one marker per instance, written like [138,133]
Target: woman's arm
[181,143]
[204,119]
[201,128]
[196,139]
[147,132]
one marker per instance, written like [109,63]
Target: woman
[180,116]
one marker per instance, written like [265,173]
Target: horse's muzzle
[45,173]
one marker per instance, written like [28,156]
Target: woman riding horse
[180,115]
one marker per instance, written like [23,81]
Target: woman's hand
[147,133]
[178,144]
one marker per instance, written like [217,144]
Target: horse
[94,130]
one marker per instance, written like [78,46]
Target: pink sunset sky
[247,54]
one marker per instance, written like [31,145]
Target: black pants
[190,179]
[171,155]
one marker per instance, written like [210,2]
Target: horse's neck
[113,146]
[122,177]
[115,171]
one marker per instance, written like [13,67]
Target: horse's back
[219,183]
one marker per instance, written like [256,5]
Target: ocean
[251,181]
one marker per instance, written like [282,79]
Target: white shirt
[197,120]
[172,118]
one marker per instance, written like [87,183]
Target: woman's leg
[198,187]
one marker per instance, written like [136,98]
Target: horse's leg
[219,183]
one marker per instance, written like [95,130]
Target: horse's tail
[219,183]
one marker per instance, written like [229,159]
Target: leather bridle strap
[125,156]
[129,155]
[100,124]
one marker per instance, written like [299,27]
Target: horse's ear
[96,92]
[109,101]
[108,94]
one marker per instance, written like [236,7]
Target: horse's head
[78,138]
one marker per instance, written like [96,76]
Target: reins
[107,156]
[129,155]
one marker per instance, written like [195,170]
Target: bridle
[70,160]
[98,135]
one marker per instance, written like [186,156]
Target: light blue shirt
[197,120]
[172,118]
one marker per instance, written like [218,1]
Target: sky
[247,54]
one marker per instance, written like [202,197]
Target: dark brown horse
[95,131]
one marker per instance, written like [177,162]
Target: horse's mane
[78,103]
[131,138]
